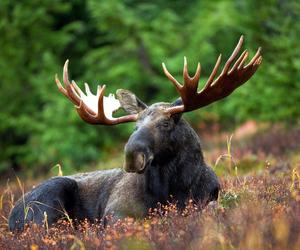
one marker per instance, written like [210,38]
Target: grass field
[258,208]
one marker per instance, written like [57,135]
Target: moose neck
[172,171]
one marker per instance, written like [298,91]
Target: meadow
[258,207]
[122,43]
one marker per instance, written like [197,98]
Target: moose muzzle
[138,153]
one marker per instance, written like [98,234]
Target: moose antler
[94,109]
[98,109]
[214,90]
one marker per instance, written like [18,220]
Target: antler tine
[186,76]
[258,61]
[77,89]
[196,77]
[70,91]
[213,73]
[239,61]
[75,94]
[177,85]
[99,88]
[255,57]
[191,83]
[233,55]
[87,89]
[60,87]
[244,58]
[101,113]
[222,86]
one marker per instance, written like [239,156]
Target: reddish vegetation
[257,210]
[253,140]
[254,212]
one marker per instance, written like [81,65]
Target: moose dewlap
[163,157]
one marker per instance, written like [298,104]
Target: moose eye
[165,124]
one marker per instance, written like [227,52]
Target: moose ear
[129,102]
[177,116]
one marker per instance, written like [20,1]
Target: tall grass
[258,211]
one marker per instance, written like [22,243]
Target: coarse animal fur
[163,161]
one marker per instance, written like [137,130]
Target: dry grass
[258,208]
[257,211]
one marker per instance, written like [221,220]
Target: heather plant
[257,211]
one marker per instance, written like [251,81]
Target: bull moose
[163,156]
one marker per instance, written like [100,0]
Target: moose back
[163,156]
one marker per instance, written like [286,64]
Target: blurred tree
[35,38]
[122,44]
[273,94]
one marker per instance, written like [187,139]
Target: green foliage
[122,44]
[230,200]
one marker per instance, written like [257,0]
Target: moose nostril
[140,161]
[135,162]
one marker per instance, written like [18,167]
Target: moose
[163,156]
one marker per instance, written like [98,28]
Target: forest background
[122,44]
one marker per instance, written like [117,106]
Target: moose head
[157,124]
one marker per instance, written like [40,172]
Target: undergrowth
[256,211]
[258,208]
